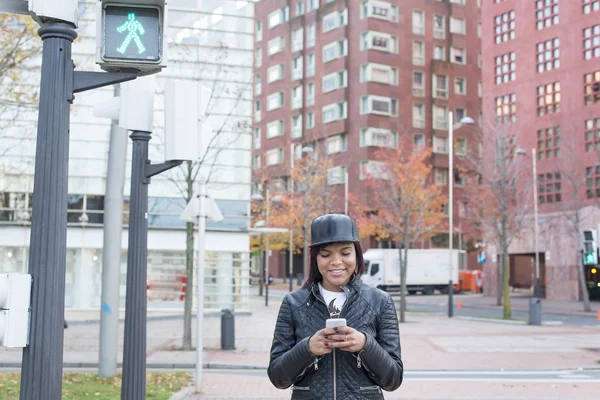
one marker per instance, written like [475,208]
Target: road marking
[569,376]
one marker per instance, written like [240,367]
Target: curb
[182,394]
[151,366]
[508,321]
[160,318]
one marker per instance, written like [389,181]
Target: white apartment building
[208,41]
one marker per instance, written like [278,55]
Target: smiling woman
[361,355]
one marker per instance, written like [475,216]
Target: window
[297,39]
[590,5]
[379,105]
[334,20]
[548,55]
[592,135]
[549,188]
[276,45]
[418,56]
[335,112]
[460,87]
[479,30]
[310,120]
[591,88]
[439,53]
[312,5]
[310,65]
[591,42]
[336,175]
[418,141]
[418,84]
[504,27]
[310,94]
[297,65]
[335,81]
[548,143]
[505,68]
[296,97]
[278,17]
[439,26]
[440,144]
[258,58]
[418,115]
[440,117]
[257,85]
[479,60]
[378,137]
[274,101]
[256,162]
[592,182]
[440,176]
[548,98]
[257,116]
[458,55]
[462,2]
[506,108]
[373,170]
[379,73]
[458,26]
[479,89]
[297,126]
[275,129]
[311,33]
[418,22]
[299,8]
[336,144]
[335,50]
[379,41]
[259,31]
[546,13]
[459,114]
[461,146]
[256,138]
[274,157]
[440,86]
[379,9]
[275,73]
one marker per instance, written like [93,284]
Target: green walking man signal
[132,26]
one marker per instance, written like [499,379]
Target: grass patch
[504,319]
[91,386]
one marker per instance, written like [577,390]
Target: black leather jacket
[339,375]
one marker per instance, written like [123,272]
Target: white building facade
[210,42]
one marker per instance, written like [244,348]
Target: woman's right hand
[318,343]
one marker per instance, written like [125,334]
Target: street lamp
[464,121]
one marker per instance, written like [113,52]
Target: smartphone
[335,322]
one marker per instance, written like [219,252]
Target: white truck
[427,269]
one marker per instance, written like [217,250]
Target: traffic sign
[481,258]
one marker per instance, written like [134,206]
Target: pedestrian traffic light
[590,254]
[131,35]
[15,297]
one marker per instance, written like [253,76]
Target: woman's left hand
[347,339]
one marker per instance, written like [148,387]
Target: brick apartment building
[351,76]
[541,64]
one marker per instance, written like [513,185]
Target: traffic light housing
[15,299]
[131,35]
[590,253]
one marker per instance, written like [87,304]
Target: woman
[356,361]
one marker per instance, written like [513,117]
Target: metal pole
[111,253]
[291,266]
[134,347]
[268,200]
[450,210]
[200,284]
[41,372]
[537,288]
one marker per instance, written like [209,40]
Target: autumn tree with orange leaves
[407,205]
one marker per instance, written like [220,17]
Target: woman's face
[336,262]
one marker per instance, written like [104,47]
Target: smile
[337,271]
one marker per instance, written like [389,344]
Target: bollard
[227,330]
[300,279]
[535,311]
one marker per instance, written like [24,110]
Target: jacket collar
[351,288]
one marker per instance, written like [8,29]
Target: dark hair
[315,276]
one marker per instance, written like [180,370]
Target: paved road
[441,307]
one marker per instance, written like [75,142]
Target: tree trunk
[499,282]
[506,280]
[261,270]
[189,286]
[580,269]
[403,268]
